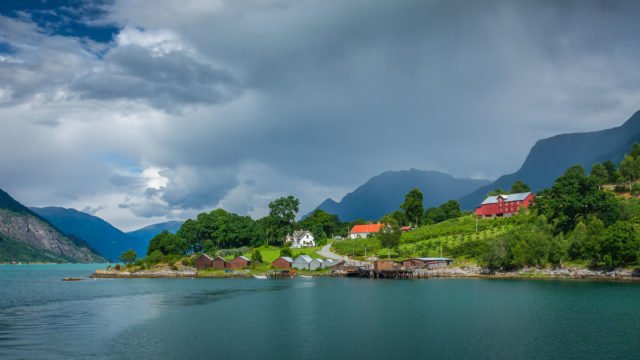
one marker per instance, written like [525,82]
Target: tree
[496,192]
[128,256]
[219,229]
[611,169]
[620,245]
[412,206]
[599,174]
[282,214]
[167,244]
[434,216]
[286,251]
[321,224]
[451,209]
[519,187]
[630,168]
[390,233]
[575,196]
[256,256]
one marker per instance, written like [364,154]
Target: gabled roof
[243,257]
[221,258]
[306,258]
[366,228]
[506,197]
[207,256]
[286,258]
[319,260]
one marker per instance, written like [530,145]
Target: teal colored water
[42,317]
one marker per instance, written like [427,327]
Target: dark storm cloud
[237,102]
[166,80]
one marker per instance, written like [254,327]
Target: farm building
[283,262]
[386,265]
[328,263]
[203,261]
[219,263]
[426,263]
[504,205]
[300,239]
[363,231]
[240,262]
[316,264]
[302,262]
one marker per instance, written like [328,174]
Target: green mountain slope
[28,237]
[549,158]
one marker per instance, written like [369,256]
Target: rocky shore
[449,272]
[528,273]
[154,273]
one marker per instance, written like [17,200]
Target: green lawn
[270,253]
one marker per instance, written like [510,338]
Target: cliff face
[39,235]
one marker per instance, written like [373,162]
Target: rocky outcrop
[551,273]
[152,273]
[40,235]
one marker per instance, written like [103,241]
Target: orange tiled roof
[367,228]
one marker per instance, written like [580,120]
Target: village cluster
[503,205]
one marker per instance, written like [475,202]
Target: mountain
[27,237]
[147,233]
[104,237]
[549,158]
[385,193]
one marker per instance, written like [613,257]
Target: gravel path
[326,252]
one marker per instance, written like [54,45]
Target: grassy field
[430,240]
[270,253]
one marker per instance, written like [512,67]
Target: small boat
[260,276]
[306,276]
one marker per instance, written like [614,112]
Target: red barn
[240,262]
[283,262]
[504,205]
[204,261]
[219,263]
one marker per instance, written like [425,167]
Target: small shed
[204,261]
[435,262]
[219,263]
[240,262]
[302,262]
[385,265]
[328,263]
[316,264]
[283,262]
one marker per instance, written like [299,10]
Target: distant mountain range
[551,157]
[147,233]
[548,159]
[385,193]
[27,237]
[109,241]
[102,236]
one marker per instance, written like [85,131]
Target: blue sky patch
[74,18]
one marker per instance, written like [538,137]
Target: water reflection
[214,295]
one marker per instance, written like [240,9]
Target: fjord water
[42,317]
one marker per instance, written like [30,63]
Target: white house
[300,239]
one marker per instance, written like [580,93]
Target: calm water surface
[42,317]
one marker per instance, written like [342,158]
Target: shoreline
[444,273]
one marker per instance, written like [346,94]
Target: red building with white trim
[504,205]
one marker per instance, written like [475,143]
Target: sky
[141,112]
